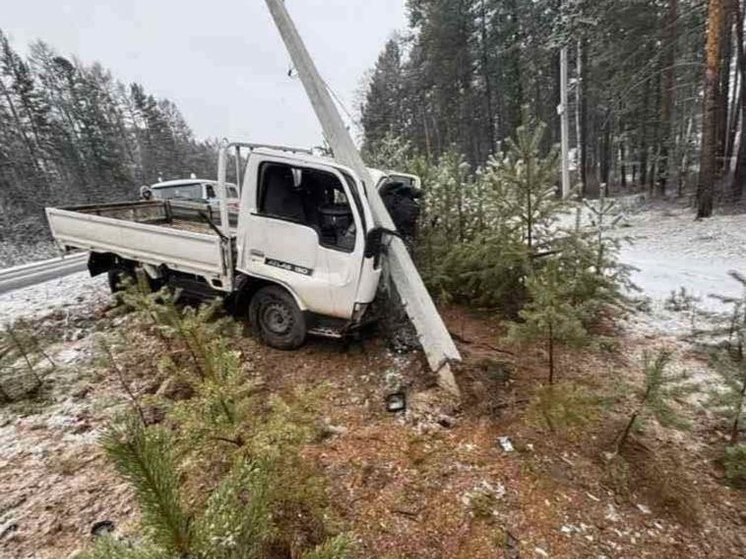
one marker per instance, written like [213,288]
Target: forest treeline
[656,101]
[656,87]
[71,133]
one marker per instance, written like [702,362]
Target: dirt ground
[434,482]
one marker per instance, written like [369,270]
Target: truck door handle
[256,253]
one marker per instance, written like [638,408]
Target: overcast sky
[221,61]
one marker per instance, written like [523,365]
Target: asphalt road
[26,275]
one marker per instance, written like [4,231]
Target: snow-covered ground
[671,250]
[63,294]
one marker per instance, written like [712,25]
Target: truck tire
[275,316]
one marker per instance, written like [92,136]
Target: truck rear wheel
[274,314]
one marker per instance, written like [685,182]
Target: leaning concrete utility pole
[433,334]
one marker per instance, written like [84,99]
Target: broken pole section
[432,332]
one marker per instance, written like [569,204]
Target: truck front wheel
[274,314]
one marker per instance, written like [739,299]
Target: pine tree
[466,68]
[237,521]
[549,316]
[144,456]
[709,165]
[728,359]
[70,134]
[655,396]
[730,400]
[382,114]
[529,183]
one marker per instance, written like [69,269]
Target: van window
[179,192]
[309,197]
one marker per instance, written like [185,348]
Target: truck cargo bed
[159,233]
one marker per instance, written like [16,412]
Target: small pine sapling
[339,547]
[390,152]
[487,271]
[589,257]
[735,463]
[564,405]
[655,396]
[728,358]
[193,331]
[223,403]
[19,345]
[144,457]
[549,315]
[605,217]
[237,520]
[529,183]
[681,300]
[729,400]
[114,367]
[449,198]
[183,328]
[684,302]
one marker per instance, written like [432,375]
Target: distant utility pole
[565,122]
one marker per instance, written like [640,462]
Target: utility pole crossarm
[433,334]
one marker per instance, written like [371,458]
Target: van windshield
[179,192]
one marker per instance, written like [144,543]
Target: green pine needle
[144,457]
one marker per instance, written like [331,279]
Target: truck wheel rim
[277,318]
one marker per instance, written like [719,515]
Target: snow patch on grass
[68,294]
[671,250]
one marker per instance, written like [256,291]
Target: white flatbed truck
[302,255]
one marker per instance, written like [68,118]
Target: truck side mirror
[374,241]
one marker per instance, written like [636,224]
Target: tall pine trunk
[657,126]
[739,176]
[487,80]
[669,91]
[606,150]
[644,148]
[708,164]
[724,87]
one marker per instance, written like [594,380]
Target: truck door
[301,228]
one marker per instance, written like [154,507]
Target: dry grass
[400,483]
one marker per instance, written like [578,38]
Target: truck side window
[319,202]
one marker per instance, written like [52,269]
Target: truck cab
[304,223]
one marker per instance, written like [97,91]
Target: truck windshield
[179,192]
